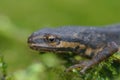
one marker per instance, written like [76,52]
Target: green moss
[106,70]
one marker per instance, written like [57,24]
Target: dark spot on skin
[76,48]
[82,51]
[91,55]
[79,51]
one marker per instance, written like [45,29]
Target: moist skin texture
[95,43]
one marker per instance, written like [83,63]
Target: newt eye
[51,39]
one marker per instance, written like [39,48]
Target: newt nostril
[30,40]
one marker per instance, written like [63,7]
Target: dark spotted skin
[96,43]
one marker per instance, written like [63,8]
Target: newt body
[93,42]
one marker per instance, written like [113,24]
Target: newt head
[48,41]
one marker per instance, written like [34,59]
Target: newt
[95,43]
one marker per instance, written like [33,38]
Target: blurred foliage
[50,69]
[19,18]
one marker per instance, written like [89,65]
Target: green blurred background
[19,18]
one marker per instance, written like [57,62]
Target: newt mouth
[40,48]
